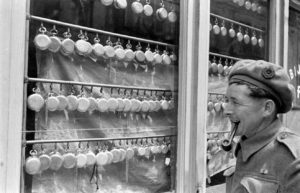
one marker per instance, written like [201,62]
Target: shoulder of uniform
[291,140]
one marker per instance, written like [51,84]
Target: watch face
[145,106]
[129,55]
[166,59]
[137,7]
[129,153]
[123,154]
[148,10]
[83,104]
[261,42]
[109,51]
[109,157]
[72,102]
[149,56]
[81,160]
[246,39]
[101,158]
[223,31]
[52,103]
[32,165]
[56,161]
[164,104]
[45,162]
[157,58]
[254,41]
[102,105]
[81,47]
[107,2]
[42,41]
[172,17]
[35,102]
[98,50]
[112,104]
[67,46]
[232,33]
[120,53]
[55,44]
[69,160]
[121,4]
[127,105]
[140,56]
[116,155]
[216,29]
[93,104]
[162,13]
[90,158]
[239,36]
[121,104]
[63,102]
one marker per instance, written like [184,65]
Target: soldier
[257,92]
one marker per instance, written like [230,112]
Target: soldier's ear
[269,107]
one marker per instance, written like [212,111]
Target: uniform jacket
[262,160]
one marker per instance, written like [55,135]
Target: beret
[268,76]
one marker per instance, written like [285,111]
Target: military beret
[268,76]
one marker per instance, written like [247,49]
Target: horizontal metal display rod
[27,79]
[92,139]
[216,132]
[93,129]
[238,23]
[29,17]
[224,56]
[216,94]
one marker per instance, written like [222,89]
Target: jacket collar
[253,144]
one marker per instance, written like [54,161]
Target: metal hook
[60,87]
[54,31]
[128,45]
[55,146]
[86,37]
[51,87]
[214,59]
[68,145]
[157,49]
[108,41]
[220,60]
[72,89]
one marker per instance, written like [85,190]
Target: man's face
[242,108]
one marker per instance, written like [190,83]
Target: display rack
[237,23]
[32,17]
[27,80]
[28,142]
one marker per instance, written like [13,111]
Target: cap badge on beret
[268,72]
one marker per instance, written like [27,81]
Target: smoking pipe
[227,143]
